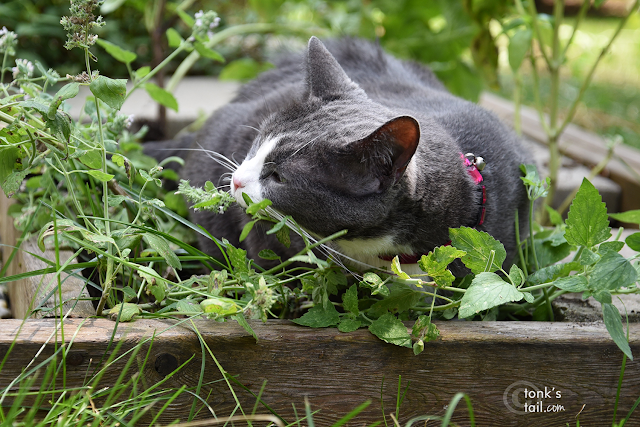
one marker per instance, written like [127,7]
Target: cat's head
[333,159]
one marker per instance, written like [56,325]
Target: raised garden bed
[493,362]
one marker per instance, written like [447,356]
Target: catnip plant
[85,185]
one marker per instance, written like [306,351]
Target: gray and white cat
[346,136]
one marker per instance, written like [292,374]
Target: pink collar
[474,166]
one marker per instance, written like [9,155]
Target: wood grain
[583,146]
[339,371]
[36,291]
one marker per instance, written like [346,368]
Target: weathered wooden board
[583,146]
[491,361]
[31,292]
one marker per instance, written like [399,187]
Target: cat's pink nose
[237,183]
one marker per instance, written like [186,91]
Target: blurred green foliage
[436,32]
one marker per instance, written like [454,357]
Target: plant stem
[236,30]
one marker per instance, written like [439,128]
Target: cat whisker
[251,127]
[306,144]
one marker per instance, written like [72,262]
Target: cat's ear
[325,77]
[389,148]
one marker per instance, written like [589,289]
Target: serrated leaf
[633,241]
[519,45]
[118,53]
[207,52]
[161,96]
[238,258]
[401,298]
[319,317]
[100,176]
[349,325]
[389,329]
[487,290]
[435,264]
[111,91]
[552,272]
[350,300]
[246,229]
[614,246]
[174,38]
[161,246]
[397,269]
[629,216]
[128,312]
[587,223]
[478,246]
[284,237]
[613,323]
[613,271]
[572,283]
[243,322]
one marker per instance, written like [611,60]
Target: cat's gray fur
[344,144]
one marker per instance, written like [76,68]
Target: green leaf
[92,159]
[60,125]
[186,18]
[536,187]
[142,71]
[552,272]
[350,300]
[38,106]
[478,246]
[283,236]
[614,246]
[613,322]
[113,201]
[254,208]
[613,271]
[118,53]
[111,91]
[418,347]
[67,91]
[633,241]
[516,275]
[319,317]
[587,223]
[129,294]
[401,298]
[424,329]
[349,325]
[161,246]
[268,254]
[129,310]
[100,176]
[174,38]
[207,52]
[158,291]
[243,69]
[278,226]
[161,96]
[397,269]
[389,329]
[519,45]
[572,283]
[220,306]
[185,306]
[238,258]
[554,216]
[435,264]
[246,229]
[487,290]
[528,297]
[374,282]
[587,257]
[243,322]
[629,216]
